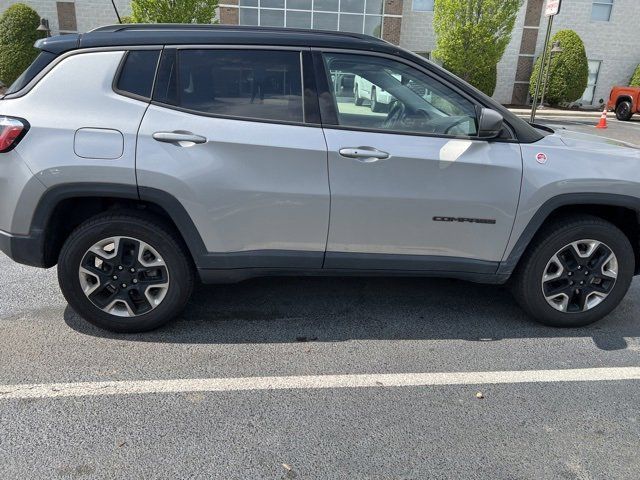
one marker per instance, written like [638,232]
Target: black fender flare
[564,200]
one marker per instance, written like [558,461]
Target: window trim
[329,110]
[178,108]
[116,76]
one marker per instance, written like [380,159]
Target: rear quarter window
[137,73]
[42,60]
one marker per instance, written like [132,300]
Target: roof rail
[245,28]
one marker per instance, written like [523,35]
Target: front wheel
[125,272]
[624,111]
[575,273]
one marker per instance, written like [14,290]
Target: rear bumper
[25,249]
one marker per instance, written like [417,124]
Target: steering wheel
[395,115]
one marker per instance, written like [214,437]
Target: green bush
[18,33]
[472,37]
[173,11]
[569,70]
[635,80]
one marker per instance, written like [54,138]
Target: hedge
[569,71]
[18,33]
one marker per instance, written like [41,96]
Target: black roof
[186,34]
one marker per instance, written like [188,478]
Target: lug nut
[135,280]
[581,283]
[115,277]
[120,267]
[133,270]
[579,267]
[124,285]
[570,273]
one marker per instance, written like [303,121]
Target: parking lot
[390,378]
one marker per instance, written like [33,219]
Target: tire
[146,283]
[624,111]
[356,97]
[375,105]
[554,255]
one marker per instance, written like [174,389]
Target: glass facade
[594,71]
[358,16]
[601,10]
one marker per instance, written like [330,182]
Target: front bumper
[25,249]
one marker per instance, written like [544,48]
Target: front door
[412,187]
[226,136]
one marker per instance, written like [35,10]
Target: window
[423,5]
[137,72]
[594,70]
[601,10]
[358,16]
[260,84]
[377,93]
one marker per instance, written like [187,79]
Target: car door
[226,136]
[414,188]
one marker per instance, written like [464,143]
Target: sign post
[551,10]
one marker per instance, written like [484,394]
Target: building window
[422,5]
[358,16]
[601,10]
[594,71]
[426,55]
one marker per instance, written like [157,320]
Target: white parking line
[85,389]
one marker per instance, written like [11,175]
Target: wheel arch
[624,98]
[62,208]
[621,210]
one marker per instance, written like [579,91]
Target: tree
[472,36]
[568,70]
[635,80]
[18,33]
[173,11]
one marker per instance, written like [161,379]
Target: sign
[552,8]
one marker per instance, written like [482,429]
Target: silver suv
[140,158]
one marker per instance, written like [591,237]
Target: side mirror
[490,123]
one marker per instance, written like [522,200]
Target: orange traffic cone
[603,119]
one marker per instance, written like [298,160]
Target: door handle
[178,137]
[364,154]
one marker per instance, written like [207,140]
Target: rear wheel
[624,111]
[575,273]
[125,273]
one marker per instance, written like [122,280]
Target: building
[611,40]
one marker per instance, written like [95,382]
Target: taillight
[12,130]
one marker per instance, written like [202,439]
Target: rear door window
[249,84]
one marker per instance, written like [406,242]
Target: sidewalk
[557,112]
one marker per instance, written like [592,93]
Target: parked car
[139,158]
[625,101]
[363,90]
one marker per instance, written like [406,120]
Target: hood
[586,140]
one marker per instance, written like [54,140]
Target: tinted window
[138,71]
[257,84]
[378,93]
[41,61]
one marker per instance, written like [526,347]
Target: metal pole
[534,106]
[546,78]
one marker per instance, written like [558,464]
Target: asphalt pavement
[340,378]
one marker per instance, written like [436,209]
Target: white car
[363,90]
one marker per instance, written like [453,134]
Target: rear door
[228,136]
[413,188]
